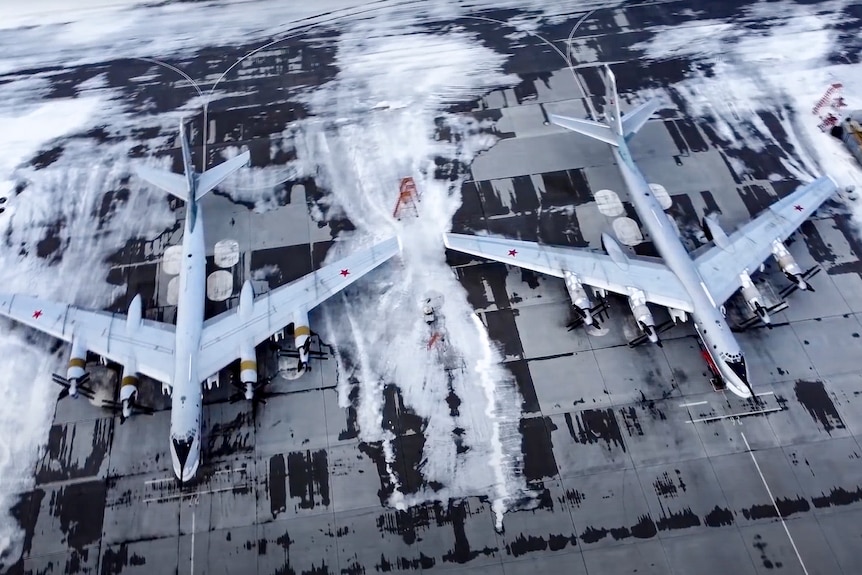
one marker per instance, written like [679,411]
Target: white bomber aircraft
[696,285]
[182,357]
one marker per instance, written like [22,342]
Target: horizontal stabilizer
[214,176]
[175,184]
[637,117]
[589,128]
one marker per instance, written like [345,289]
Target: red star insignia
[345,273]
[513,253]
[797,207]
[37,314]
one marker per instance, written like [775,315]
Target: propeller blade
[63,393]
[136,407]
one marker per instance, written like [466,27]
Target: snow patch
[782,68]
[361,162]
[58,207]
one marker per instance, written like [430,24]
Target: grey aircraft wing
[274,310]
[148,344]
[598,270]
[749,246]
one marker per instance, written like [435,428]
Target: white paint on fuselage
[186,398]
[712,328]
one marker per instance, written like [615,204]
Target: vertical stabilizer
[616,124]
[634,119]
[612,103]
[191,186]
[188,163]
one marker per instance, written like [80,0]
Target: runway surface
[508,445]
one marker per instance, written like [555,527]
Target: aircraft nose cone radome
[182,447]
[738,368]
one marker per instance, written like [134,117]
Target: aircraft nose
[182,447]
[741,372]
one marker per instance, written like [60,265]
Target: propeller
[800,282]
[757,320]
[73,387]
[653,331]
[127,407]
[597,312]
[254,392]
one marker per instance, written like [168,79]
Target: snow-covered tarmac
[574,443]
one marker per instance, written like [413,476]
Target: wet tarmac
[638,466]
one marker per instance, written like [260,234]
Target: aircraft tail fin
[174,184]
[626,125]
[179,185]
[638,116]
[617,125]
[595,130]
[214,176]
[612,103]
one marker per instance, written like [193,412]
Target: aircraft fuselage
[186,396]
[712,328]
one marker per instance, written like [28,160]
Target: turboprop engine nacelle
[638,305]
[302,338]
[77,362]
[128,389]
[247,364]
[753,297]
[788,265]
[578,295]
[247,355]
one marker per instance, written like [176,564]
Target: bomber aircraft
[184,356]
[697,283]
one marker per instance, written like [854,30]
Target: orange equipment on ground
[408,200]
